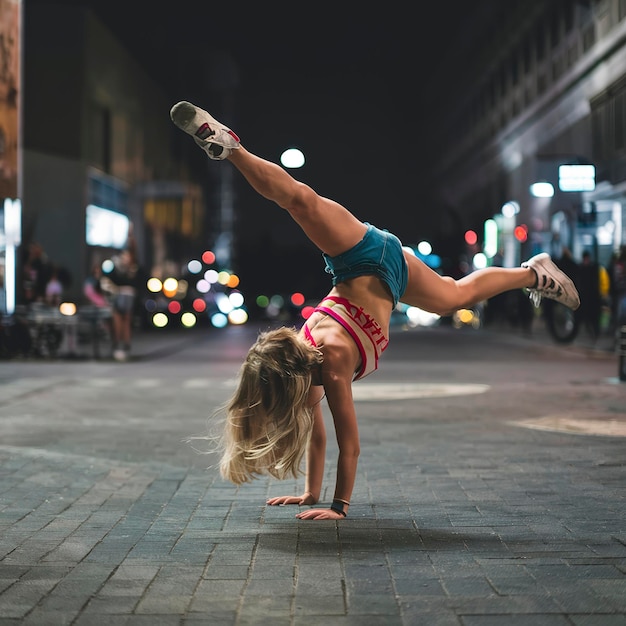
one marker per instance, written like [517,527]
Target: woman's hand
[320,514]
[305,498]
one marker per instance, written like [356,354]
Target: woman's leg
[442,294]
[117,328]
[330,226]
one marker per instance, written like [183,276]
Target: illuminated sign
[106,228]
[577,177]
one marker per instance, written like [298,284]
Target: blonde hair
[268,419]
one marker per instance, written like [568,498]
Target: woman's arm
[315,456]
[316,451]
[338,386]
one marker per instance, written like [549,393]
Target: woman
[125,279]
[274,418]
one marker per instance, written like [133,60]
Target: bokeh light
[170,287]
[174,307]
[223,303]
[160,320]
[219,320]
[238,317]
[154,285]
[297,299]
[67,308]
[470,237]
[188,319]
[236,299]
[199,305]
[208,257]
[292,158]
[194,266]
[210,276]
[424,248]
[479,261]
[203,286]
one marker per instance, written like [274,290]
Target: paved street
[491,490]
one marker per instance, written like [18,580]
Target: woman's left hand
[319,514]
[305,498]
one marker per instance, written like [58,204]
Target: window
[107,192]
[99,149]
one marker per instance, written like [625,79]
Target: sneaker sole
[197,122]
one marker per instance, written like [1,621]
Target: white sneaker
[552,283]
[120,355]
[217,140]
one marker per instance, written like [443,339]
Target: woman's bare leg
[440,294]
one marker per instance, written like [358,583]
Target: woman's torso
[368,292]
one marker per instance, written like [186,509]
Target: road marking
[588,424]
[364,392]
[102,382]
[147,383]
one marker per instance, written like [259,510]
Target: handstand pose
[274,418]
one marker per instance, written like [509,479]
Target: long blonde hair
[268,419]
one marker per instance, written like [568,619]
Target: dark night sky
[382,66]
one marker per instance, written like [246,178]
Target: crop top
[362,327]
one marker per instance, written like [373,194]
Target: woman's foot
[551,283]
[217,140]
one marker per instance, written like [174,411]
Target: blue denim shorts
[378,253]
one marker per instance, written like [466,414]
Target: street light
[292,158]
[542,190]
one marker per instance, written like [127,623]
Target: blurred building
[98,149]
[543,86]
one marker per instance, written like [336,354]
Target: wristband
[337,506]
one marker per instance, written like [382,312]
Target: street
[491,490]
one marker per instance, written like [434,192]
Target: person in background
[35,273]
[92,287]
[100,313]
[124,277]
[617,273]
[590,298]
[54,288]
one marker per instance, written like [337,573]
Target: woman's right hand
[305,498]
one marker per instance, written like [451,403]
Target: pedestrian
[99,313]
[590,295]
[35,273]
[92,288]
[54,288]
[274,419]
[125,280]
[618,288]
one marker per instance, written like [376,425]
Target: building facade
[98,151]
[544,87]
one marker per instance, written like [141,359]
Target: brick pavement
[464,521]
